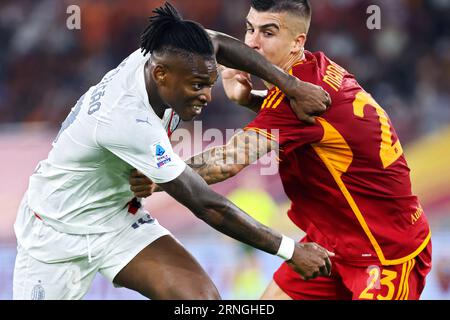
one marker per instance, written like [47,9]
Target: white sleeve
[143,145]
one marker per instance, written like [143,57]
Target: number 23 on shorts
[383,284]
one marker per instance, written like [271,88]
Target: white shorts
[54,265]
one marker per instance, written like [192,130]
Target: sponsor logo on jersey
[143,121]
[165,160]
[162,158]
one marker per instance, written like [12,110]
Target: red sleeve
[277,121]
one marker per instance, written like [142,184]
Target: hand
[142,186]
[307,100]
[311,260]
[237,85]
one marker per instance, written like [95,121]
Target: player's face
[189,85]
[272,35]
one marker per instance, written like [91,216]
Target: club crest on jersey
[160,154]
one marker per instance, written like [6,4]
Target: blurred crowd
[45,67]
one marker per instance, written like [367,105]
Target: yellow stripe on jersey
[281,98]
[406,285]
[268,98]
[299,63]
[402,279]
[275,96]
[273,99]
[334,146]
[337,163]
[405,280]
[412,255]
[291,71]
[262,132]
[265,133]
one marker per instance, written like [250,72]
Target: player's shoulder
[129,73]
[132,111]
[323,60]
[316,65]
[133,130]
[136,58]
[319,69]
[276,111]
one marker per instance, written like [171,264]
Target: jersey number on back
[389,152]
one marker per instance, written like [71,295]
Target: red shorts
[400,282]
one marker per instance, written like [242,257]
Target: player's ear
[159,74]
[299,43]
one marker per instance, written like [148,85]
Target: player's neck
[294,60]
[288,65]
[156,102]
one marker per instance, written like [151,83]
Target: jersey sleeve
[142,143]
[277,122]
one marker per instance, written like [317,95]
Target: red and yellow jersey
[346,176]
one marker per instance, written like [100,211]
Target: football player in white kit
[78,216]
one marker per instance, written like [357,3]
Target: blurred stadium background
[44,68]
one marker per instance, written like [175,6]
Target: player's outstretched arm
[215,164]
[220,163]
[310,260]
[307,100]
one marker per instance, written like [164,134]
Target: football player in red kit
[346,175]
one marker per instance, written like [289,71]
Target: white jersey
[82,187]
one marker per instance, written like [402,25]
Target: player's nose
[206,95]
[252,41]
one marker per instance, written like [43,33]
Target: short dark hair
[167,31]
[301,8]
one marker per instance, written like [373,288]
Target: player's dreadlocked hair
[167,31]
[301,8]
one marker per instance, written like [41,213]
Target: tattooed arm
[310,260]
[216,164]
[220,163]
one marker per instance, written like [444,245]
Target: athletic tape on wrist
[286,249]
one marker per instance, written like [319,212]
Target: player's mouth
[198,109]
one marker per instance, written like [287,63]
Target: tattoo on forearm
[220,163]
[212,165]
